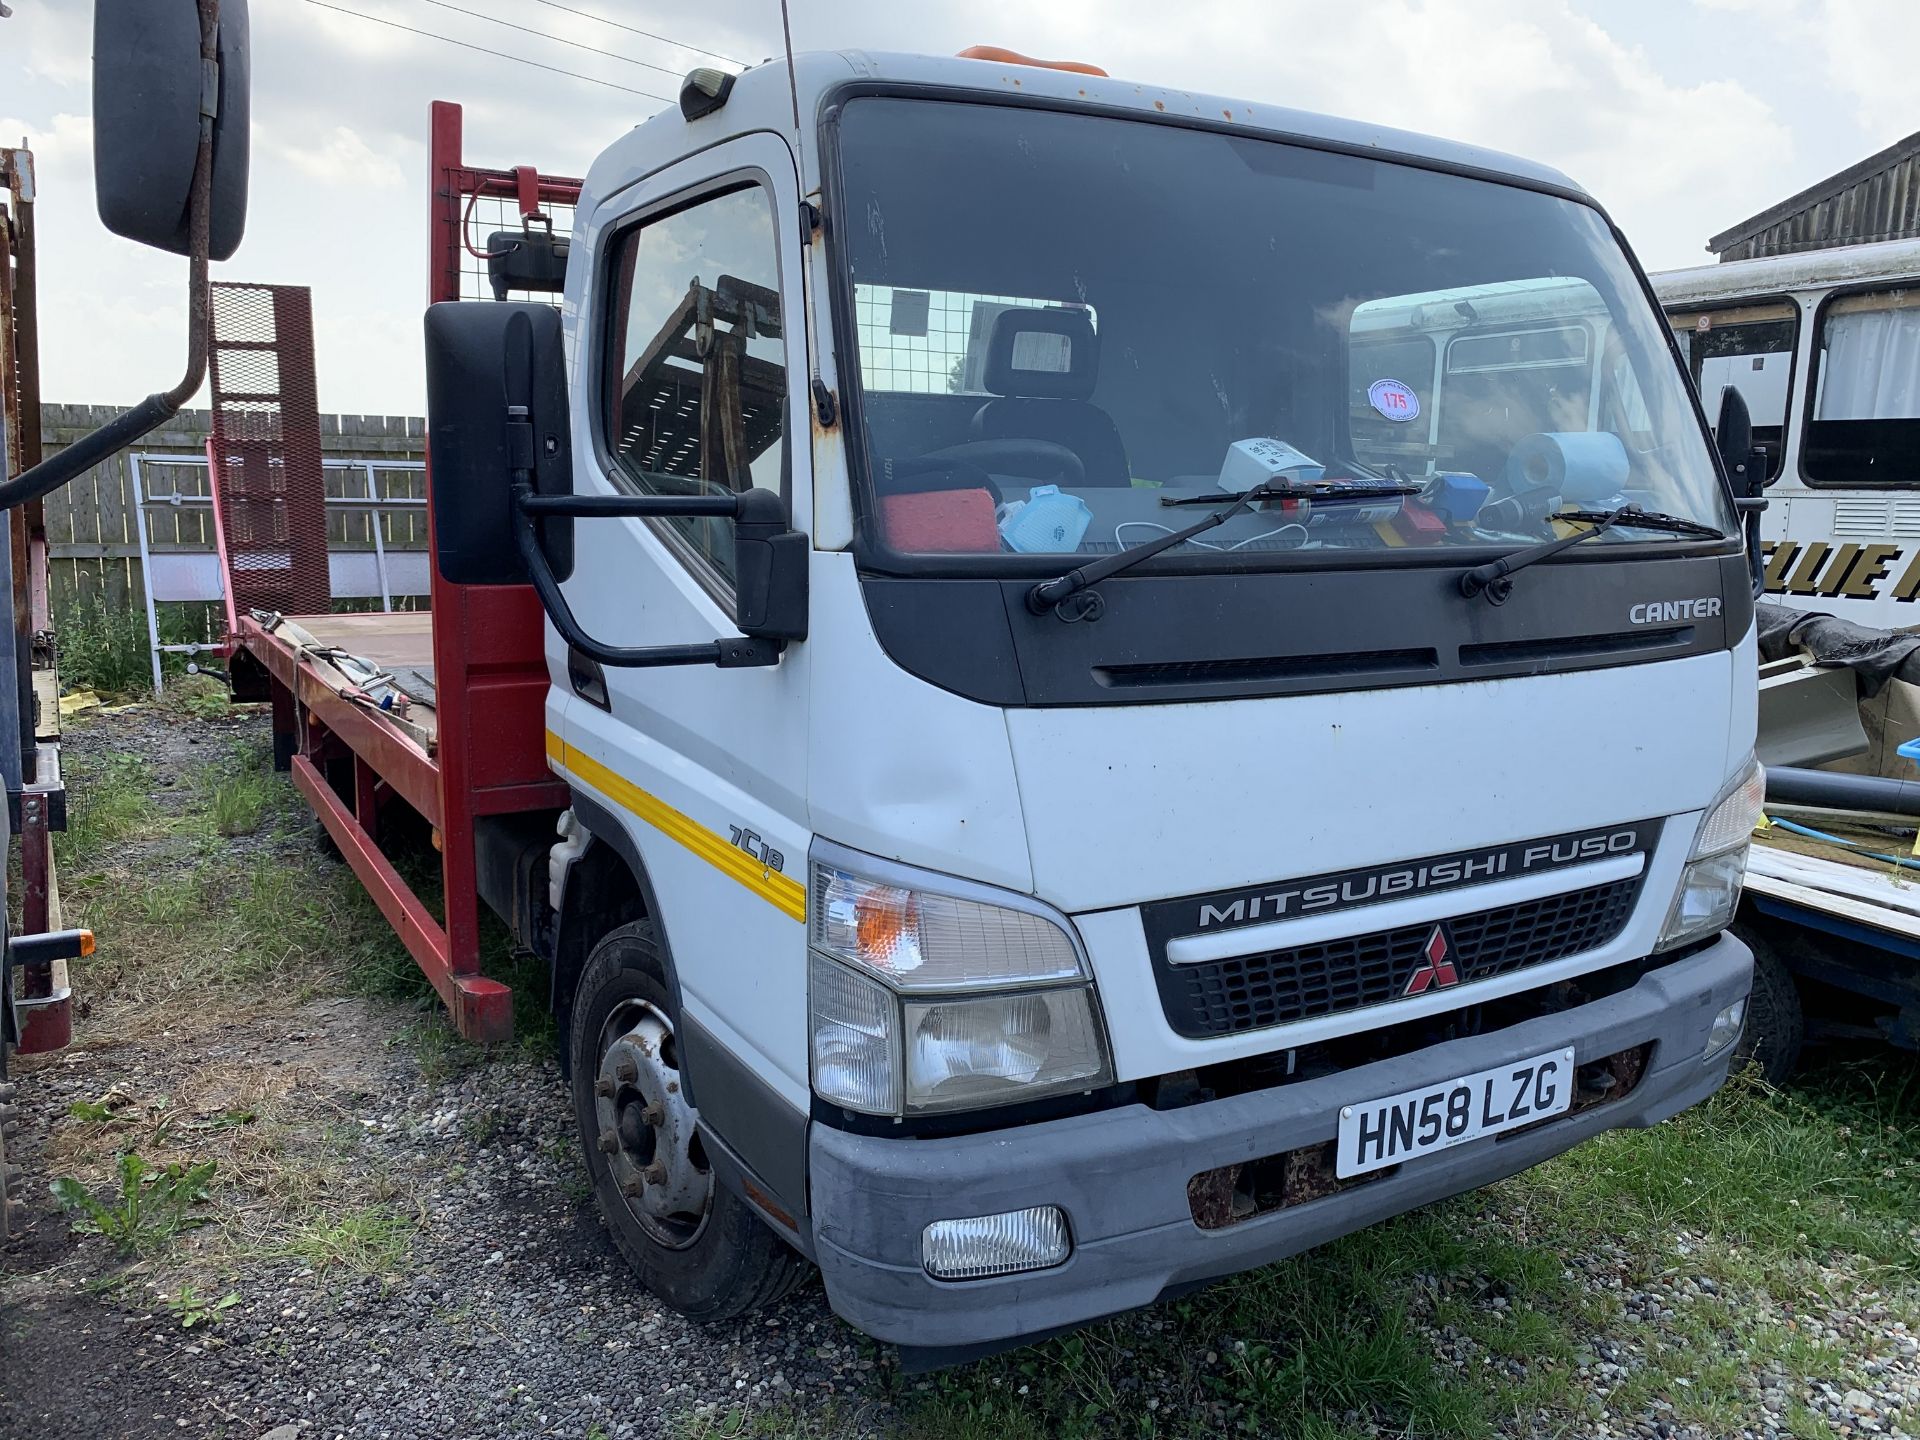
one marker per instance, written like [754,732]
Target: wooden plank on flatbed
[388,638]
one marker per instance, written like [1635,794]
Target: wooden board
[400,637]
[46,705]
[392,640]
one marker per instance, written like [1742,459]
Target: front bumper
[1121,1175]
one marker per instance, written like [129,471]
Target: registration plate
[1398,1128]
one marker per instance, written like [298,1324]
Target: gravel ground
[414,1252]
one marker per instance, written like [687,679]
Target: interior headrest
[1050,353]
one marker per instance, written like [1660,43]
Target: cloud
[340,157]
[1676,144]
[1536,77]
[1869,47]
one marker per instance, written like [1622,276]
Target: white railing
[173,575]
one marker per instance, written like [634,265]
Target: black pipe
[1831,790]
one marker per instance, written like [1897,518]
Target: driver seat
[1047,394]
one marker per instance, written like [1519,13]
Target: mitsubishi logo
[1439,967]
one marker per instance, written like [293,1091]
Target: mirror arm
[722,507]
[128,426]
[731,653]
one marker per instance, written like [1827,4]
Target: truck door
[690,376]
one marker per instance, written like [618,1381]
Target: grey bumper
[1121,1175]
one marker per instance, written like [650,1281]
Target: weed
[93,1112]
[742,1423]
[104,649]
[483,1127]
[238,797]
[371,1241]
[150,1209]
[192,1309]
[109,799]
[199,697]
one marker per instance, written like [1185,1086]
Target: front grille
[1276,987]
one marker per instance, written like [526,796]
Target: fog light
[1726,1027]
[1005,1244]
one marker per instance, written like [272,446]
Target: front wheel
[692,1241]
[1776,1025]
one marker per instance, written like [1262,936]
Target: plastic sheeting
[1875,656]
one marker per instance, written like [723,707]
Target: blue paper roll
[1584,466]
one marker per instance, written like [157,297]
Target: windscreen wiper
[1495,578]
[1045,596]
[1647,520]
[1321,490]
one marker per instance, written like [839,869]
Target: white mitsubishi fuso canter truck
[1145,681]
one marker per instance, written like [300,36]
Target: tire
[1776,1025]
[339,778]
[323,844]
[690,1239]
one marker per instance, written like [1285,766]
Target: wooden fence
[94,551]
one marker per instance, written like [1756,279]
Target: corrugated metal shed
[1877,199]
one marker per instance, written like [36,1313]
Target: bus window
[1377,439]
[1503,385]
[1865,428]
[1751,347]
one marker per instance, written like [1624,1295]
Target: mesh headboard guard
[270,496]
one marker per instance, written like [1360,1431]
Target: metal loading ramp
[270,494]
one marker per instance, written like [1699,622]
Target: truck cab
[1032,902]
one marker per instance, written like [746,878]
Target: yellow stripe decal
[781,891]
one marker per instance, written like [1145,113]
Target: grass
[1829,1168]
[375,1240]
[104,648]
[198,936]
[108,799]
[239,795]
[1763,1194]
[1479,1316]
[198,697]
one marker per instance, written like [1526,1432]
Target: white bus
[1825,347]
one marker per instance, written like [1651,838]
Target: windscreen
[1076,333]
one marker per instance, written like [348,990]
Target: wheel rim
[645,1128]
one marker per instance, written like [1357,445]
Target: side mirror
[503,505]
[482,357]
[1746,472]
[1733,437]
[147,103]
[170,83]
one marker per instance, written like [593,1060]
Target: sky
[1681,116]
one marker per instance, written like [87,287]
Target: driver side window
[696,365]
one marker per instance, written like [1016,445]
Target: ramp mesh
[270,498]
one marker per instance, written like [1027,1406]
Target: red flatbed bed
[479,750]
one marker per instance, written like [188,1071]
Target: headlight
[1710,884]
[917,939]
[1731,818]
[924,1001]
